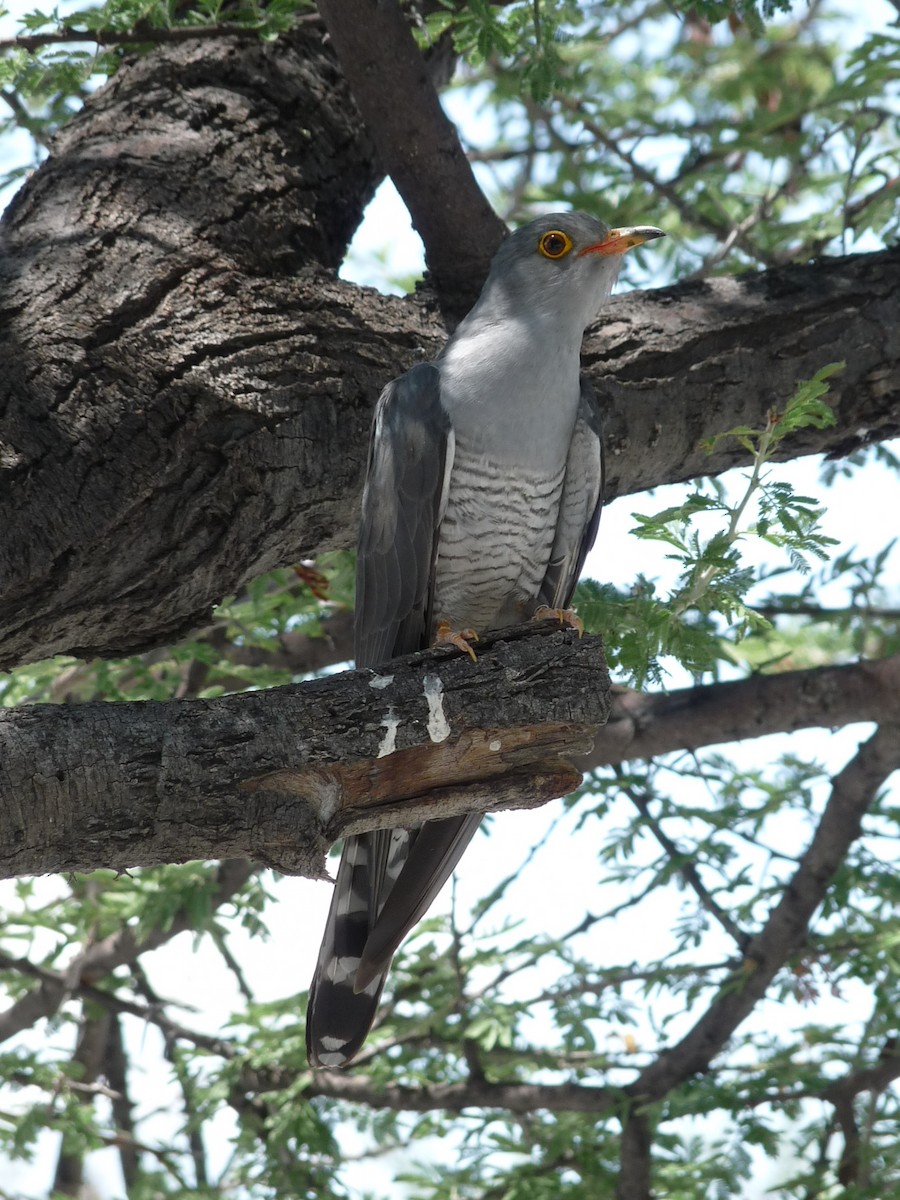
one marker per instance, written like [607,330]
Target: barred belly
[495,543]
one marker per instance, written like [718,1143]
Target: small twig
[615,978]
[721,229]
[684,866]
[485,906]
[24,118]
[194,1130]
[221,944]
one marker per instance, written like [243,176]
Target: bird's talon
[460,638]
[565,616]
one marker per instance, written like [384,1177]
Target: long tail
[385,883]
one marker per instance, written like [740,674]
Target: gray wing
[386,880]
[410,459]
[580,504]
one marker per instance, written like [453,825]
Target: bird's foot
[460,638]
[565,616]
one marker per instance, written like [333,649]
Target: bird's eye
[555,244]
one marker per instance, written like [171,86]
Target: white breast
[495,542]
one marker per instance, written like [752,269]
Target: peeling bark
[279,775]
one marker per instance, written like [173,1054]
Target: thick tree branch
[634,1171]
[674,362]
[162,527]
[234,166]
[640,725]
[279,775]
[644,724]
[417,144]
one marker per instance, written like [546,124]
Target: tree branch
[645,724]
[141,33]
[88,1060]
[455,1097]
[672,363]
[417,144]
[279,775]
[634,1159]
[104,956]
[842,1094]
[115,1068]
[685,867]
[853,790]
[788,606]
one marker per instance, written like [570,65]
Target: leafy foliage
[750,147]
[706,613]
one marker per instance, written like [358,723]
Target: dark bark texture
[374,43]
[187,387]
[165,397]
[279,775]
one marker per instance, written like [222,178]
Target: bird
[482,497]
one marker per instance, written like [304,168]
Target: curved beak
[618,241]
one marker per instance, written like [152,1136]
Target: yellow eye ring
[555,244]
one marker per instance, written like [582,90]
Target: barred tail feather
[385,882]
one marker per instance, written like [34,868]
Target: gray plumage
[482,499]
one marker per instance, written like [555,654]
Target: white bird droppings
[438,725]
[495,744]
[381,681]
[388,743]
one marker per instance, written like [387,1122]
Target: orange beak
[618,241]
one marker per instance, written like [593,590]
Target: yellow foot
[460,638]
[565,616]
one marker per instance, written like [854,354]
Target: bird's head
[562,265]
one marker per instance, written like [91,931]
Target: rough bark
[683,363]
[188,387]
[279,775]
[418,145]
[642,725]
